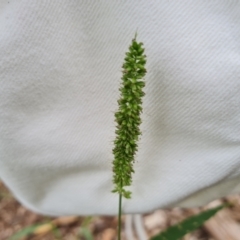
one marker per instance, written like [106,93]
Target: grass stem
[119,216]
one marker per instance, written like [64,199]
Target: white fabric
[60,70]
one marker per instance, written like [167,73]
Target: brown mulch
[13,217]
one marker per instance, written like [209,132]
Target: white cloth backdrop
[60,70]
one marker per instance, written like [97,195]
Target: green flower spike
[128,117]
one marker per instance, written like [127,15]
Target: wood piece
[66,220]
[222,226]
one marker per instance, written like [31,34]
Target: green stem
[119,216]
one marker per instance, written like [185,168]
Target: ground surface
[14,217]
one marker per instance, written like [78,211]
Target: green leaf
[86,233]
[190,224]
[84,229]
[25,232]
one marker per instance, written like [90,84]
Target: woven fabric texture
[60,70]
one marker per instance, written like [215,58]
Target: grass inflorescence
[128,117]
